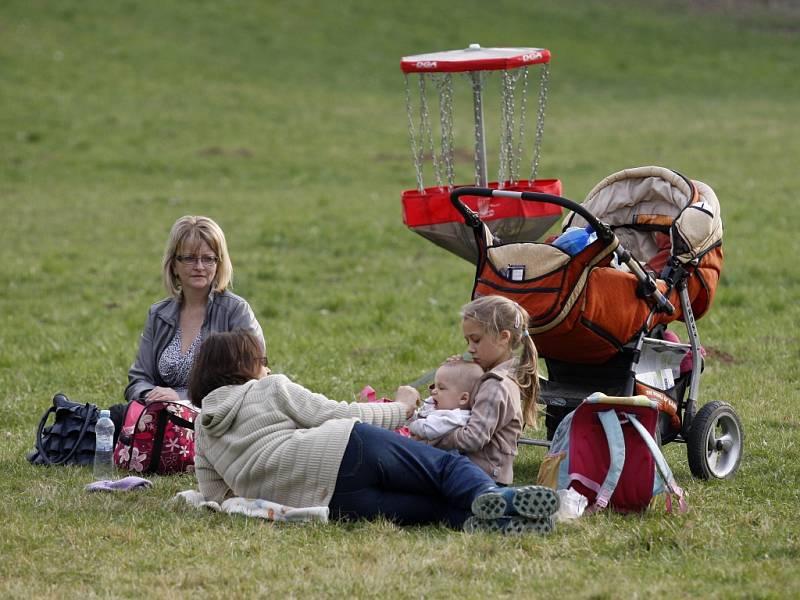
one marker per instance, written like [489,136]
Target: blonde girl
[504,399]
[496,323]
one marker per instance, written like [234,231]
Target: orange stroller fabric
[582,309]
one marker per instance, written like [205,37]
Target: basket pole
[480,134]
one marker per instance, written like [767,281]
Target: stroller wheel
[715,441]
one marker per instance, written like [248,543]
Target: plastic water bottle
[575,239]
[104,447]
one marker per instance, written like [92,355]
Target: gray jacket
[489,439]
[225,311]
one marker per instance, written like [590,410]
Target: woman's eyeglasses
[191,259]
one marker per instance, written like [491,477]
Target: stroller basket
[585,308]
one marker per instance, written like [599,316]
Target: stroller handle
[473,220]
[604,232]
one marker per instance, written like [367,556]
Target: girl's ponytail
[527,377]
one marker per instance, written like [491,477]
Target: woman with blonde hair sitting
[197,274]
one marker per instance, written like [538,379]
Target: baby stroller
[599,313]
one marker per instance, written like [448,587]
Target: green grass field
[285,122]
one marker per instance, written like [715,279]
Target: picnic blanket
[254,507]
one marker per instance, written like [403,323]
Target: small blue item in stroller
[575,239]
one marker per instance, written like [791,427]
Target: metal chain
[445,85]
[502,168]
[426,133]
[506,126]
[537,146]
[504,93]
[416,149]
[523,113]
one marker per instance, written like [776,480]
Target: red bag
[157,438]
[605,450]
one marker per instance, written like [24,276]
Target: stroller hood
[643,202]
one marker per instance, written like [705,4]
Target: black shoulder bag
[70,439]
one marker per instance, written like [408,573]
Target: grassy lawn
[285,122]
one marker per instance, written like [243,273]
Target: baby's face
[445,392]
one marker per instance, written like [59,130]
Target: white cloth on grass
[254,507]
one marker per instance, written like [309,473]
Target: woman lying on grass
[260,435]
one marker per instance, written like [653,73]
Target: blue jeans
[385,474]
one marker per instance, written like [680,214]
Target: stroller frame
[568,384]
[713,434]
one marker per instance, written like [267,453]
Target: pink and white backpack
[157,438]
[606,451]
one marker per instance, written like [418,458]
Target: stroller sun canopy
[642,202]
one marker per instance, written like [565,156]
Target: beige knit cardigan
[274,439]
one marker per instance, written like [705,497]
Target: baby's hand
[408,397]
[454,358]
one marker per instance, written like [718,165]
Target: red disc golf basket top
[427,210]
[474,58]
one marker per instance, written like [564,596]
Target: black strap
[39,431]
[180,421]
[158,441]
[158,437]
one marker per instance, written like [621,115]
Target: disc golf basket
[428,210]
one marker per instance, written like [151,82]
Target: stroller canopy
[644,203]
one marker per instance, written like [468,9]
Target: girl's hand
[161,394]
[408,397]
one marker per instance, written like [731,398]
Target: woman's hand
[161,394]
[408,397]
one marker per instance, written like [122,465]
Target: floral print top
[174,367]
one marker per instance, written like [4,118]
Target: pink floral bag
[157,438]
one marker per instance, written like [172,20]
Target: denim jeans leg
[385,474]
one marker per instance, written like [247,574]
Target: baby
[448,405]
